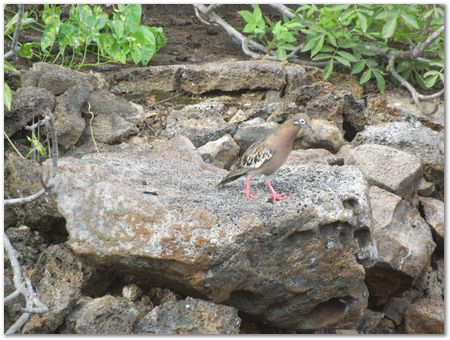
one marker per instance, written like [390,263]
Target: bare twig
[90,127]
[14,47]
[23,287]
[41,122]
[199,17]
[284,10]
[27,199]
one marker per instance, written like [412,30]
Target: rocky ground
[135,237]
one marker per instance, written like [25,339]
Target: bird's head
[301,120]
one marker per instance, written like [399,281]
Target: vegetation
[89,29]
[346,34]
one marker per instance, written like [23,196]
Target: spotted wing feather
[256,155]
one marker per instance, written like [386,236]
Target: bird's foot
[276,197]
[249,195]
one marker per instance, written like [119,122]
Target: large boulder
[58,79]
[416,139]
[156,211]
[404,243]
[388,168]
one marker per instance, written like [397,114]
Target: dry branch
[23,287]
[14,47]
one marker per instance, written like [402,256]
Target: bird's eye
[302,121]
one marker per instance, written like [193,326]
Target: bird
[268,154]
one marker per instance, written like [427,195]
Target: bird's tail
[233,175]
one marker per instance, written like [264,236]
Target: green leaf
[358,67]
[328,69]
[26,50]
[343,61]
[365,76]
[133,14]
[117,27]
[8,67]
[316,49]
[430,81]
[331,39]
[7,95]
[322,56]
[362,22]
[410,20]
[49,36]
[248,16]
[381,84]
[309,43]
[389,28]
[348,56]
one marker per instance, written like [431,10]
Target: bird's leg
[247,192]
[275,195]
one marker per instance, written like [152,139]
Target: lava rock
[433,210]
[27,103]
[296,263]
[106,315]
[201,123]
[189,316]
[388,168]
[426,316]
[222,152]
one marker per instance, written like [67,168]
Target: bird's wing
[256,155]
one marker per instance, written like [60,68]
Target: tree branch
[14,47]
[24,287]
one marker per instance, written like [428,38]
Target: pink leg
[247,192]
[275,196]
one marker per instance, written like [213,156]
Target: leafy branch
[404,41]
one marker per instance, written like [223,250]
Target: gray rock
[388,168]
[433,210]
[22,179]
[105,103]
[252,130]
[222,152]
[107,315]
[415,139]
[313,156]
[190,316]
[27,103]
[431,283]
[232,76]
[425,188]
[327,107]
[354,112]
[131,292]
[109,129]
[395,309]
[58,79]
[70,321]
[62,276]
[325,135]
[298,76]
[68,120]
[369,321]
[160,295]
[404,245]
[426,316]
[201,123]
[294,263]
[144,80]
